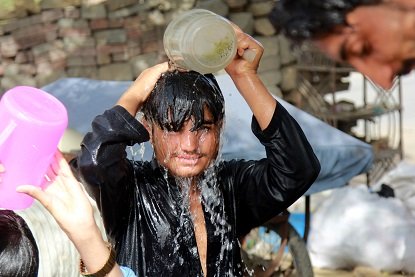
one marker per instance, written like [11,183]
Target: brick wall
[43,40]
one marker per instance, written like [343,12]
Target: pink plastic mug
[31,124]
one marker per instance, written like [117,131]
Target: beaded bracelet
[108,266]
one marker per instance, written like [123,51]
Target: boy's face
[379,42]
[187,153]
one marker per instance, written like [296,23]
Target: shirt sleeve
[103,166]
[266,187]
[127,272]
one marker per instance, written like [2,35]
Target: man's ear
[149,129]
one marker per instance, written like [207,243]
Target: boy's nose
[189,141]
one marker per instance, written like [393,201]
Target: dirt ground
[357,272]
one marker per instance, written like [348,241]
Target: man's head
[19,255]
[376,37]
[184,116]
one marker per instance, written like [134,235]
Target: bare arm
[68,203]
[244,74]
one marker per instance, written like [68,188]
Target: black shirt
[145,211]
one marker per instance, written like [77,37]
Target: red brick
[98,24]
[112,49]
[30,36]
[74,32]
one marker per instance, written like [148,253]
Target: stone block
[44,79]
[234,4]
[264,27]
[153,46]
[244,20]
[51,15]
[142,62]
[11,9]
[134,50]
[28,21]
[93,11]
[41,49]
[217,6]
[289,78]
[22,57]
[134,34]
[74,32]
[270,63]
[286,53]
[30,36]
[275,90]
[27,69]
[126,12]
[132,22]
[57,54]
[260,8]
[103,59]
[271,78]
[81,61]
[9,82]
[9,25]
[113,36]
[112,49]
[83,71]
[120,57]
[72,43]
[118,4]
[8,47]
[99,24]
[11,69]
[83,51]
[66,22]
[53,4]
[116,72]
[71,12]
[270,44]
[51,32]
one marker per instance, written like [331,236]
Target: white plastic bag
[402,180]
[354,227]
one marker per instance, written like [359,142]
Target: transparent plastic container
[200,40]
[31,124]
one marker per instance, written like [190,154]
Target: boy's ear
[149,129]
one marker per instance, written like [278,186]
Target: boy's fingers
[34,192]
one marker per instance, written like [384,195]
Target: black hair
[19,256]
[180,96]
[308,19]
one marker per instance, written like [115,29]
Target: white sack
[354,227]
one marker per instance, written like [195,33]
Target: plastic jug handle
[7,132]
[249,55]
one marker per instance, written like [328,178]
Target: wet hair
[19,256]
[309,19]
[180,96]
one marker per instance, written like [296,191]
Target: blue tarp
[341,156]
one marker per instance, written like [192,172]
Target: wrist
[85,234]
[95,263]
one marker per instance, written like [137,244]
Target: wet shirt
[146,211]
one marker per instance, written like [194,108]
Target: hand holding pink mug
[31,124]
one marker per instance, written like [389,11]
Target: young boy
[182,213]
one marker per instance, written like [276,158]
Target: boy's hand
[138,92]
[65,199]
[249,53]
